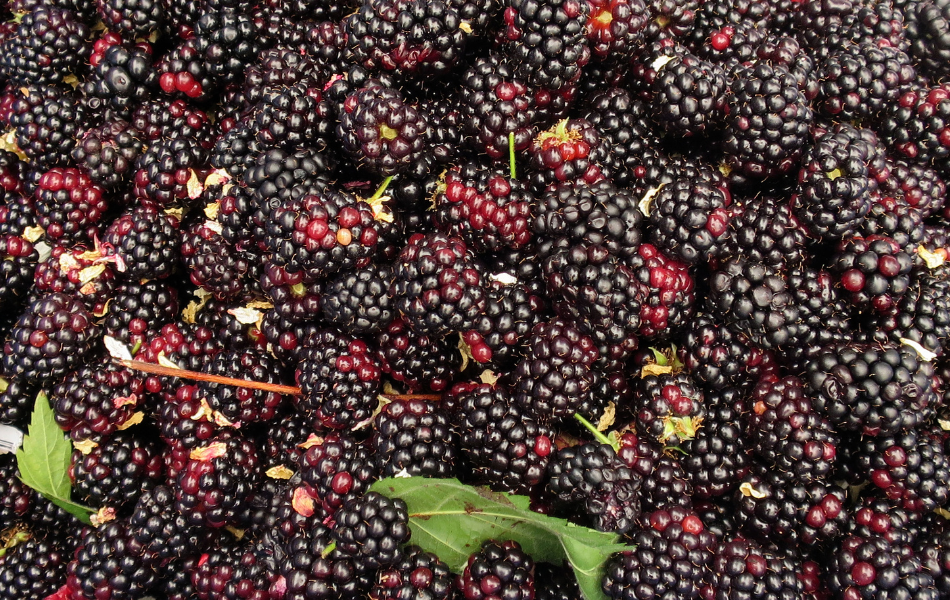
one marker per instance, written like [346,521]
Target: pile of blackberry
[674,270]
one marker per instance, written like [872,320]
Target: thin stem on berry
[382,189]
[598,435]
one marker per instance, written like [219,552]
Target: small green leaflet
[451,520]
[43,460]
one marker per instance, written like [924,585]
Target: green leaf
[452,520]
[43,460]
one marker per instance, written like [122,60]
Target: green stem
[598,435]
[511,153]
[328,550]
[382,188]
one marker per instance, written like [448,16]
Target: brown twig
[147,367]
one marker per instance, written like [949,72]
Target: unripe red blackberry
[571,151]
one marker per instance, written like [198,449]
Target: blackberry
[184,74]
[137,309]
[371,529]
[53,336]
[16,401]
[507,449]
[484,206]
[546,41]
[909,467]
[49,44]
[160,119]
[16,269]
[861,81]
[47,121]
[278,68]
[917,185]
[786,433]
[322,234]
[916,127]
[895,219]
[729,32]
[689,96]
[555,377]
[284,439]
[414,436]
[690,219]
[668,295]
[931,548]
[339,379]
[93,403]
[35,568]
[76,270]
[625,124]
[240,405]
[666,486]
[292,116]
[874,271]
[165,167]
[164,533]
[719,358]
[717,459]
[833,194]
[214,486]
[511,311]
[121,78]
[615,27]
[314,570]
[495,104]
[212,263]
[380,131]
[185,423]
[296,296]
[743,568]
[878,390]
[132,18]
[823,313]
[359,300]
[69,205]
[796,513]
[670,19]
[419,575]
[227,43]
[188,345]
[497,569]
[236,150]
[668,407]
[765,231]
[109,564]
[767,120]
[922,316]
[437,286]
[863,567]
[145,243]
[593,478]
[927,26]
[411,37]
[338,469]
[570,151]
[107,154]
[116,471]
[247,571]
[673,549]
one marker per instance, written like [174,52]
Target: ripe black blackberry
[65,271]
[227,43]
[786,433]
[591,477]
[122,77]
[138,309]
[291,117]
[358,301]
[419,574]
[239,405]
[595,291]
[339,380]
[666,485]
[414,436]
[117,471]
[931,546]
[249,570]
[92,403]
[48,121]
[743,568]
[625,124]
[437,286]
[895,219]
[321,234]
[928,24]
[49,44]
[16,401]
[132,18]
[497,569]
[164,533]
[314,570]
[764,230]
[107,154]
[916,126]
[546,41]
[909,467]
[35,568]
[161,118]
[109,563]
[507,450]
[767,121]
[278,68]
[615,28]
[511,311]
[189,345]
[296,296]
[411,37]
[688,96]
[371,530]
[719,358]
[878,390]
[69,205]
[824,316]
[338,469]
[212,263]
[16,269]
[690,220]
[718,458]
[381,131]
[874,271]
[165,167]
[833,193]
[672,550]
[861,81]
[923,316]
[145,243]
[861,567]
[555,378]
[917,185]
[728,32]
[214,486]
[772,508]
[54,335]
